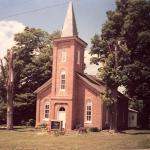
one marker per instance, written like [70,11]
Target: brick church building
[72,96]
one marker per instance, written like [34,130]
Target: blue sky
[90,15]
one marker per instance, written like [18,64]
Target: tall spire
[70,27]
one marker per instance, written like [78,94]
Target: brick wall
[42,97]
[86,93]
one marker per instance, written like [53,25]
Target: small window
[132,117]
[88,112]
[63,80]
[63,55]
[46,110]
[78,57]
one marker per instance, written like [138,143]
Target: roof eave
[42,87]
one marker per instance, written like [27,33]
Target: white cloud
[9,28]
[7,31]
[90,68]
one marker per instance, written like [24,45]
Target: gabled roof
[70,27]
[45,85]
[95,83]
[92,81]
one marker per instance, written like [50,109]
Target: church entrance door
[61,116]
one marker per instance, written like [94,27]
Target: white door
[61,116]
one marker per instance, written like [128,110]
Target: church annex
[70,95]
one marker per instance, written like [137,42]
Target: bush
[3,111]
[82,130]
[78,126]
[31,122]
[23,113]
[58,132]
[42,126]
[94,129]
[23,123]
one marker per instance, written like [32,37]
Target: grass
[31,139]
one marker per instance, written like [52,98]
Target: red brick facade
[75,97]
[80,88]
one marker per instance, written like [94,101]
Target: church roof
[69,27]
[92,81]
[95,83]
[46,84]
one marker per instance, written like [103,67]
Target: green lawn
[31,139]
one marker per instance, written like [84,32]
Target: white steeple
[70,27]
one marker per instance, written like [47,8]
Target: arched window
[63,55]
[63,80]
[46,110]
[88,112]
[61,109]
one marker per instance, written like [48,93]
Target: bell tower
[68,60]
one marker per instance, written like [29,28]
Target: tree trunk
[112,124]
[116,117]
[10,108]
[10,91]
[113,118]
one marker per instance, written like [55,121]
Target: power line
[34,10]
[19,3]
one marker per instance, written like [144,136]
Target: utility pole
[9,88]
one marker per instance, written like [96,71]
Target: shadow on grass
[25,130]
[19,129]
[135,132]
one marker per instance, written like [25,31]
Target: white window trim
[87,104]
[46,119]
[62,73]
[46,103]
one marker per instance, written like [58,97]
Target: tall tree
[32,67]
[9,88]
[6,88]
[128,30]
[2,93]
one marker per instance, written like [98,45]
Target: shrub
[23,123]
[82,130]
[42,126]
[58,132]
[94,129]
[31,122]
[78,126]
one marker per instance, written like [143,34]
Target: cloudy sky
[49,15]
